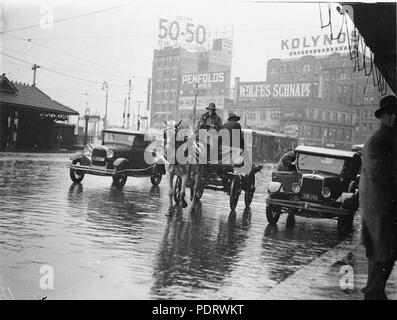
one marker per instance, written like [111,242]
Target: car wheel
[235,190]
[249,192]
[156,178]
[272,214]
[120,178]
[76,175]
[345,223]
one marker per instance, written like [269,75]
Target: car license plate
[99,159]
[309,196]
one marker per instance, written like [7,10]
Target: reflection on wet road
[105,243]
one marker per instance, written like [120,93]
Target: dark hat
[233,115]
[211,106]
[387,103]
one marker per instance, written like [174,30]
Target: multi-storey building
[171,99]
[320,99]
[168,65]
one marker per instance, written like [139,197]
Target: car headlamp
[274,187]
[295,187]
[87,151]
[326,192]
[110,154]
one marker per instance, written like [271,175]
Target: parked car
[122,154]
[322,184]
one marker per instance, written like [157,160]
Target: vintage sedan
[122,154]
[323,184]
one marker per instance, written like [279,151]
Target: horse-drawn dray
[231,177]
[220,177]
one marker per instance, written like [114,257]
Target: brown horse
[187,171]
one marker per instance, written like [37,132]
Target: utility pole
[34,68]
[105,118]
[139,115]
[125,105]
[195,105]
[129,98]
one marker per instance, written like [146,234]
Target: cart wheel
[177,189]
[156,178]
[76,175]
[120,178]
[235,190]
[345,223]
[272,214]
[249,192]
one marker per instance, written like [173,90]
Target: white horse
[173,168]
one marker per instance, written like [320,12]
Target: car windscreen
[118,138]
[319,163]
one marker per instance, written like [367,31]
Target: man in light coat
[377,189]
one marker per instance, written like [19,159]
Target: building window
[273,70]
[350,119]
[251,115]
[311,113]
[333,133]
[343,75]
[263,115]
[318,131]
[327,116]
[275,114]
[306,68]
[343,118]
[320,115]
[348,135]
[335,117]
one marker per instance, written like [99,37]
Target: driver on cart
[210,120]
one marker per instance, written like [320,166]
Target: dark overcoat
[233,125]
[377,189]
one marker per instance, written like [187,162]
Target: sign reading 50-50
[181,31]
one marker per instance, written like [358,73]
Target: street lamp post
[105,86]
[139,114]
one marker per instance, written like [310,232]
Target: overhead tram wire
[65,19]
[67,67]
[77,57]
[155,34]
[68,75]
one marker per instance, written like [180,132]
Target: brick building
[319,99]
[170,64]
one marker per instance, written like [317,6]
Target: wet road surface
[106,243]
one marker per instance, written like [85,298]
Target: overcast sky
[115,41]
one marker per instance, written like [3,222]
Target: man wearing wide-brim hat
[210,119]
[236,136]
[232,124]
[377,192]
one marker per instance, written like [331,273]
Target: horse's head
[169,134]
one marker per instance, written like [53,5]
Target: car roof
[357,147]
[325,152]
[127,131]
